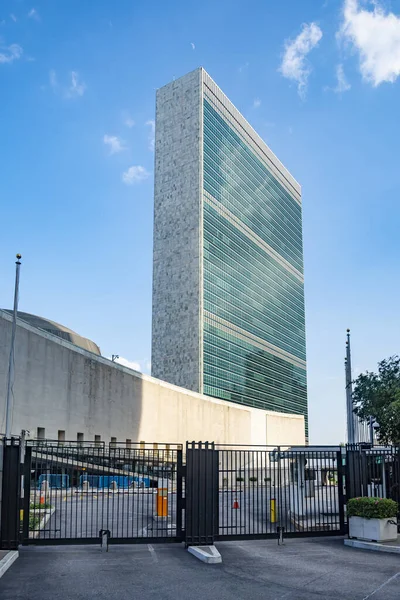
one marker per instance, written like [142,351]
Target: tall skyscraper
[228,285]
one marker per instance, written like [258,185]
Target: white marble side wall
[176,331]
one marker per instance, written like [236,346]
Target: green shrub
[253,479]
[34,521]
[267,478]
[38,506]
[372,508]
[239,479]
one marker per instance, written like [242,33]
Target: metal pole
[349,394]
[11,358]
[371,431]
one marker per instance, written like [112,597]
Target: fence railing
[70,492]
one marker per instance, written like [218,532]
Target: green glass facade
[254,348]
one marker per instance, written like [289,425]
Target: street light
[114,357]
[373,426]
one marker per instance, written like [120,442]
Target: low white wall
[61,387]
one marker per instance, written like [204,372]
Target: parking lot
[302,569]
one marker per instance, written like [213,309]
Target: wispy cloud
[115,143]
[342,84]
[257,103]
[375,35]
[33,14]
[135,174]
[152,124]
[73,89]
[76,87]
[10,53]
[193,46]
[129,122]
[130,364]
[294,64]
[13,17]
[143,366]
[53,80]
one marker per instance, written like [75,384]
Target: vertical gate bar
[341,499]
[27,493]
[178,475]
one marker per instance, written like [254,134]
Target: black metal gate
[262,492]
[77,492]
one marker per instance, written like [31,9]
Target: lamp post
[373,424]
[11,358]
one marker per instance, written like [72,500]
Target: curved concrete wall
[59,386]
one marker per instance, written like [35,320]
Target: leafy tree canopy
[378,395]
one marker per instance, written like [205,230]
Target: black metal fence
[75,492]
[373,471]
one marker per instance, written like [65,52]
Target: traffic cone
[235,503]
[42,499]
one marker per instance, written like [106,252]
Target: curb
[7,561]
[207,554]
[372,546]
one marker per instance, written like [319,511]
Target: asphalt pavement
[302,569]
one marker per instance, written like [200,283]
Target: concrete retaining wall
[61,387]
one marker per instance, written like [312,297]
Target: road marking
[381,586]
[153,553]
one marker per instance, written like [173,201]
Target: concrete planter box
[373,530]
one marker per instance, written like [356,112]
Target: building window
[97,440]
[128,443]
[41,433]
[113,442]
[80,437]
[61,435]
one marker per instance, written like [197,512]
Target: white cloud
[294,64]
[375,34]
[131,364]
[13,17]
[152,124]
[53,80]
[143,366]
[257,103]
[33,14]
[77,87]
[10,53]
[74,88]
[193,46]
[129,122]
[342,84]
[135,174]
[115,143]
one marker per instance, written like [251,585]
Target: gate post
[342,472]
[201,514]
[10,495]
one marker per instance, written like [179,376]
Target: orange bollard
[235,504]
[162,502]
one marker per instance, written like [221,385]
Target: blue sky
[317,79]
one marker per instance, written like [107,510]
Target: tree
[377,395]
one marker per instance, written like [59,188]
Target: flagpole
[349,394]
[11,359]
